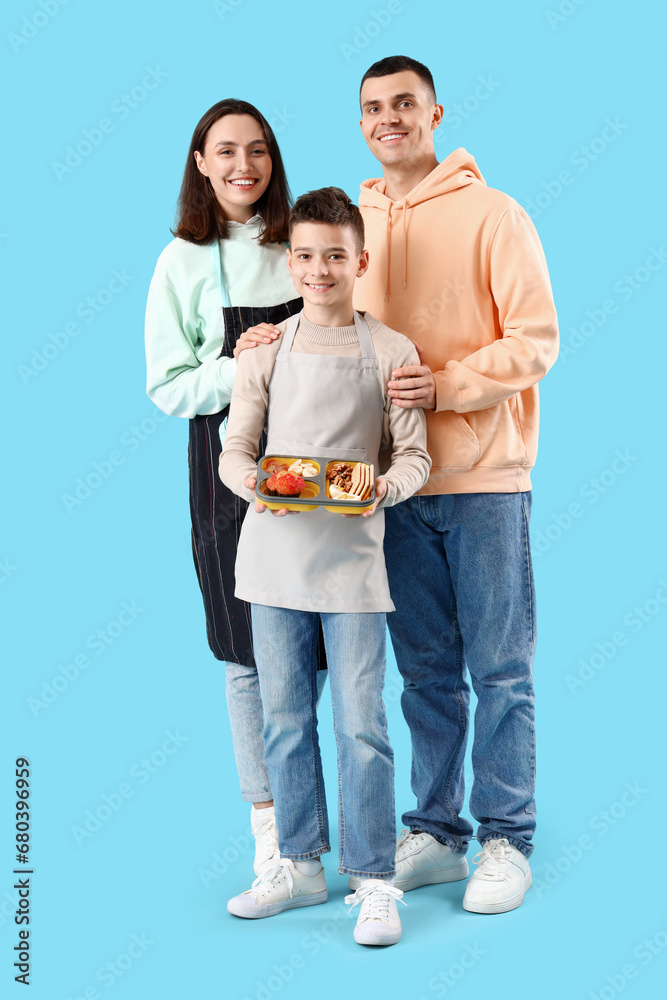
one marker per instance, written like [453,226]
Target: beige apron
[323,407]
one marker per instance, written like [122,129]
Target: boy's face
[324,262]
[398,118]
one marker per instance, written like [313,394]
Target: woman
[223,275]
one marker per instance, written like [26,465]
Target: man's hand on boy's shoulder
[413,385]
[263,333]
[250,482]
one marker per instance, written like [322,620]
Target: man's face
[398,118]
[324,262]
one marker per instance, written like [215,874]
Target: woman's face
[236,160]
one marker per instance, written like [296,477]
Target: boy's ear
[363,263]
[289,259]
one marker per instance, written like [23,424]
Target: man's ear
[436,120]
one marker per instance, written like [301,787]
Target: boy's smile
[324,262]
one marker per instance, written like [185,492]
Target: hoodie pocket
[452,443]
[492,438]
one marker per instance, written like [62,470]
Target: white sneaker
[422,860]
[267,854]
[378,921]
[281,888]
[501,879]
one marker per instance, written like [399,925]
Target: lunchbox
[316,491]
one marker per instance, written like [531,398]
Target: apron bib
[328,407]
[217,513]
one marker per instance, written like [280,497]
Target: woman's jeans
[461,578]
[285,643]
[246,718]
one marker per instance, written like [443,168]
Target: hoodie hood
[458,170]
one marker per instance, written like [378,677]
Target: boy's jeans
[461,578]
[285,642]
[246,720]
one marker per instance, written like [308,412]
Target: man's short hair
[398,64]
[331,206]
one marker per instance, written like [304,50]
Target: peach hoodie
[458,268]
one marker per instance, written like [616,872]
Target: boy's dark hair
[331,206]
[398,64]
[200,218]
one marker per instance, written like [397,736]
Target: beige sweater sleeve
[247,416]
[404,434]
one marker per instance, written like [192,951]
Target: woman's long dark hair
[200,219]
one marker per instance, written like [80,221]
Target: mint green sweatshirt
[184,324]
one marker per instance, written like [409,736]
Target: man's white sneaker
[267,854]
[422,860]
[281,888]
[501,879]
[378,921]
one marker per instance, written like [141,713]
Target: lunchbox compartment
[286,462]
[330,467]
[309,492]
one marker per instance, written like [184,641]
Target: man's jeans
[285,644]
[461,578]
[246,719]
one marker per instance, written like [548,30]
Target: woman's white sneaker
[281,888]
[422,860]
[501,879]
[378,922]
[263,824]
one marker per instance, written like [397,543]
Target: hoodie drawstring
[405,244]
[404,212]
[388,240]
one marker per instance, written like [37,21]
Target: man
[458,268]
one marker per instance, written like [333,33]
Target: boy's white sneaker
[422,860]
[281,888]
[501,879]
[263,824]
[378,921]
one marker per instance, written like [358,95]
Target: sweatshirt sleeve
[177,382]
[405,434]
[521,289]
[247,416]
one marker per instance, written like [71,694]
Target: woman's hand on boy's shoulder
[263,333]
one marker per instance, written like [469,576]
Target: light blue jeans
[285,642]
[461,578]
[246,719]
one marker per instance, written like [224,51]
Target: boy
[321,388]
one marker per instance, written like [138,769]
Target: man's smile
[391,137]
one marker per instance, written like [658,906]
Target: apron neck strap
[216,250]
[364,335]
[361,326]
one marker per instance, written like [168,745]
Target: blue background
[171,852]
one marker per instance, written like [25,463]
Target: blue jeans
[246,720]
[461,578]
[285,643]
